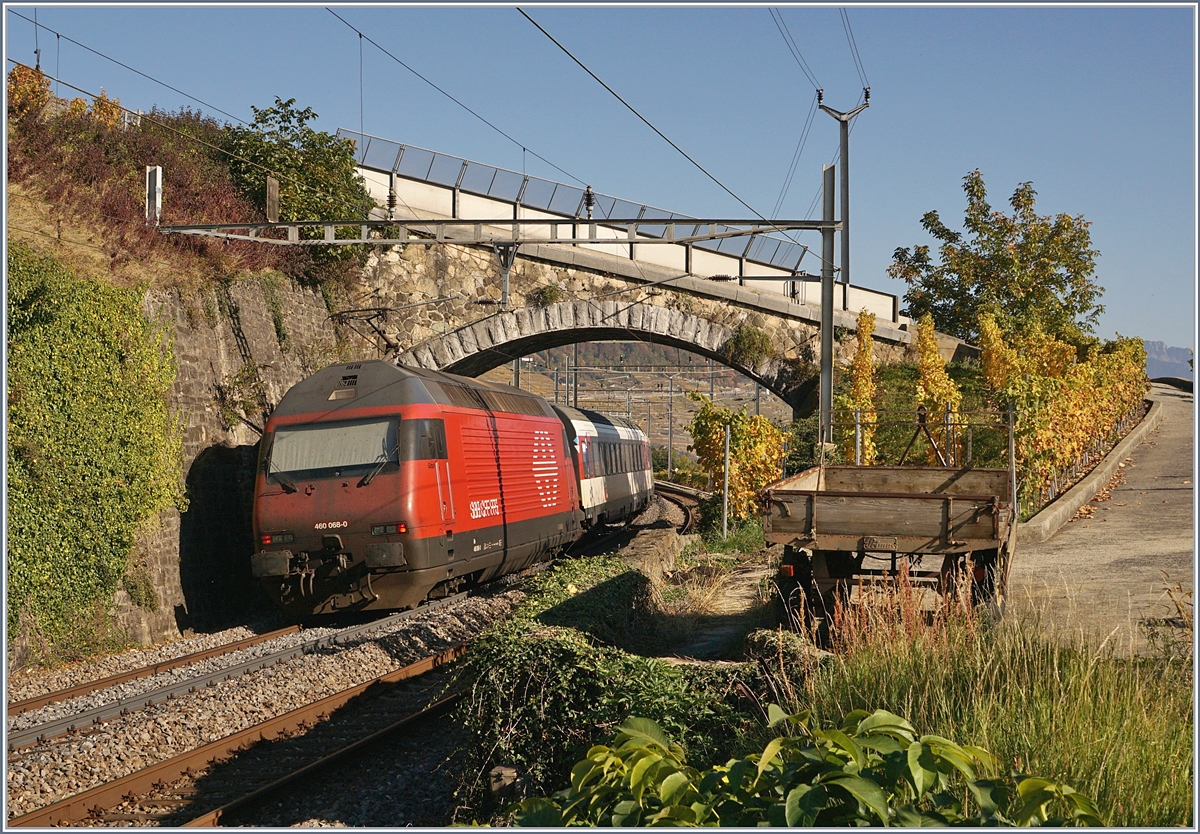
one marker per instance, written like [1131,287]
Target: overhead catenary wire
[858,64]
[647,122]
[790,42]
[126,66]
[803,140]
[373,43]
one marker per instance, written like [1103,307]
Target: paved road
[1106,576]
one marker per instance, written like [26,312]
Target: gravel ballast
[52,771]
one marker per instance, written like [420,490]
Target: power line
[361,35]
[126,66]
[858,64]
[787,184]
[639,115]
[790,42]
[646,121]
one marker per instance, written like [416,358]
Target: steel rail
[679,489]
[18,707]
[680,496]
[101,797]
[213,818]
[52,729]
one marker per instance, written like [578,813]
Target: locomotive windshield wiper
[284,481]
[370,476]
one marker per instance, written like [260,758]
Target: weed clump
[552,681]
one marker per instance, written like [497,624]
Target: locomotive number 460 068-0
[330,525]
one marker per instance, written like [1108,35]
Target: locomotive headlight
[388,529]
[277,538]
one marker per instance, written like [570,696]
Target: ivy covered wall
[93,449]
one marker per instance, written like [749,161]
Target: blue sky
[1096,106]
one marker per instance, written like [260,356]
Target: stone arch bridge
[563,297]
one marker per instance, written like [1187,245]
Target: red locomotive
[379,486]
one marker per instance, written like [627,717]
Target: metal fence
[426,166]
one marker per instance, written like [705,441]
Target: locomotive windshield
[330,450]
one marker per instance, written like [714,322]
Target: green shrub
[92,450]
[555,679]
[747,346]
[544,296]
[872,770]
[317,180]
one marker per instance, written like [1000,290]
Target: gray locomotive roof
[381,383]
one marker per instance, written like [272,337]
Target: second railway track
[73,720]
[61,769]
[201,786]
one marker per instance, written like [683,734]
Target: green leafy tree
[1023,269]
[316,173]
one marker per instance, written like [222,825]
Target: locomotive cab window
[422,440]
[332,450]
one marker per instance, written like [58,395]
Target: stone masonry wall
[198,561]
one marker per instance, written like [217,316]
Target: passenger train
[379,486]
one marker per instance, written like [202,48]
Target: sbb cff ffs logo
[483,509]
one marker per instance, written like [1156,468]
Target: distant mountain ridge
[1162,360]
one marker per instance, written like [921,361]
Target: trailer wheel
[989,583]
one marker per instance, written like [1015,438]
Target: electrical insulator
[391,204]
[820,96]
[589,200]
[867,94]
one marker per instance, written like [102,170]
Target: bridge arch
[479,347]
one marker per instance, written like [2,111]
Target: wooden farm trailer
[848,525]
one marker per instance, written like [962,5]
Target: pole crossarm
[493,231]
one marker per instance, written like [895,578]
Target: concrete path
[1107,576]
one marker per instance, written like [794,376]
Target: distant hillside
[1167,361]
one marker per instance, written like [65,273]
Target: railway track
[87,688]
[21,737]
[201,787]
[685,498]
[225,780]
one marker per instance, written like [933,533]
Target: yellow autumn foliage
[1064,407]
[935,389]
[28,89]
[106,111]
[755,453]
[861,399]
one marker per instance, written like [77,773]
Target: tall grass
[1119,729]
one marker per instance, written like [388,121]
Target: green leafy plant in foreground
[872,770]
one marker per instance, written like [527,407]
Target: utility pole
[844,121]
[725,490]
[575,388]
[670,427]
[826,386]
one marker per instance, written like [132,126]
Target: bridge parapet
[431,184]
